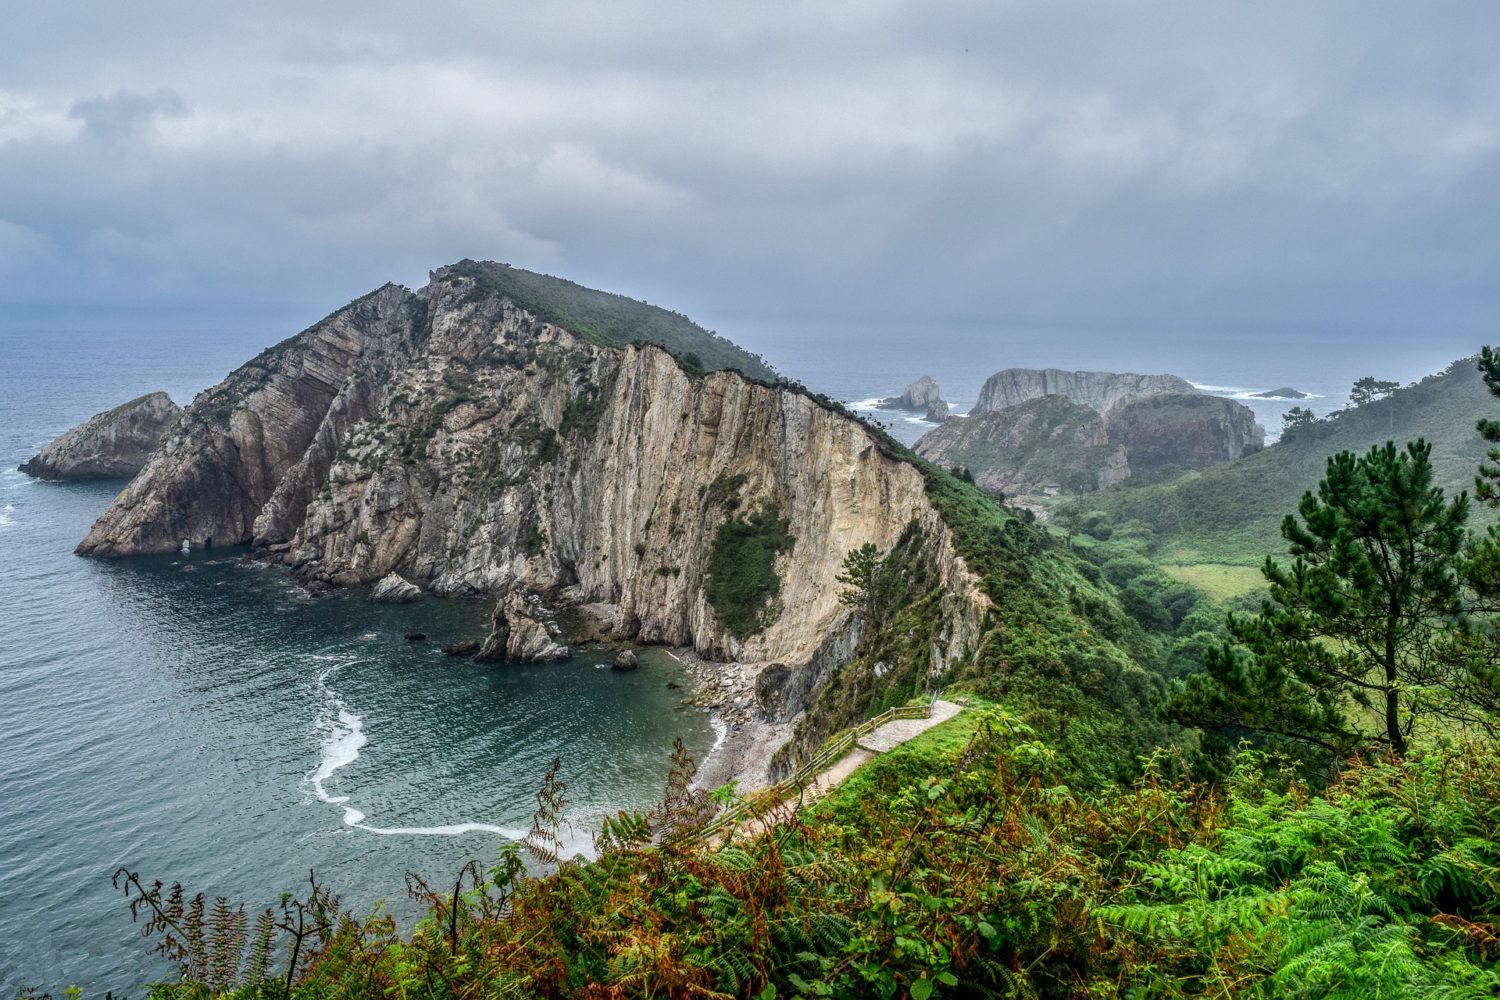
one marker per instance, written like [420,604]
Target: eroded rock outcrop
[474,445]
[1101,391]
[524,630]
[114,444]
[1184,431]
[393,588]
[922,395]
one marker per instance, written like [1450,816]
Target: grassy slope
[1231,514]
[605,318]
[1034,443]
[1219,581]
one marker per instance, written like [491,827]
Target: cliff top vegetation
[609,319]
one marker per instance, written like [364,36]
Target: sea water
[199,718]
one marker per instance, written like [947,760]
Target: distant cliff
[1102,391]
[1052,444]
[475,446]
[114,444]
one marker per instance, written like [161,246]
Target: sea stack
[923,395]
[110,445]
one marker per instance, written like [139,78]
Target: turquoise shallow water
[203,720]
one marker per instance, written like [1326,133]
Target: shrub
[742,580]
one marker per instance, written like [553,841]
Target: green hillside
[1232,513]
[1050,440]
[609,319]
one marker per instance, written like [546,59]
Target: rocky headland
[1096,430]
[114,444]
[503,433]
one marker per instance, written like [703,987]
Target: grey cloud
[125,113]
[1167,166]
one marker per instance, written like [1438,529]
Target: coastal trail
[865,747]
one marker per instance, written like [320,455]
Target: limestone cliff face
[1045,443]
[1103,391]
[110,445]
[457,439]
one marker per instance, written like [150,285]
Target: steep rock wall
[454,438]
[1103,391]
[1184,431]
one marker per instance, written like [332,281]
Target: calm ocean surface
[202,720]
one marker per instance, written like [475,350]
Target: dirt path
[886,738]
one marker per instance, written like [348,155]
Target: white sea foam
[1240,392]
[451,830]
[343,738]
[721,732]
[7,515]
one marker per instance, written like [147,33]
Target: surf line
[345,737]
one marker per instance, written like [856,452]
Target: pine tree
[1487,485]
[1356,634]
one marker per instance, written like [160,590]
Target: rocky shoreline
[748,740]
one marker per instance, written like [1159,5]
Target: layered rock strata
[471,446]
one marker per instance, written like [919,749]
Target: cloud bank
[1326,167]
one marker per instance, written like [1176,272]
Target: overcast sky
[1329,170]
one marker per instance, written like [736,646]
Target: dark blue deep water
[202,720]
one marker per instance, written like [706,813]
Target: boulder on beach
[395,589]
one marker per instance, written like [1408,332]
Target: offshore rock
[524,630]
[625,659]
[110,445]
[393,588]
[924,395]
[465,647]
[1101,391]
